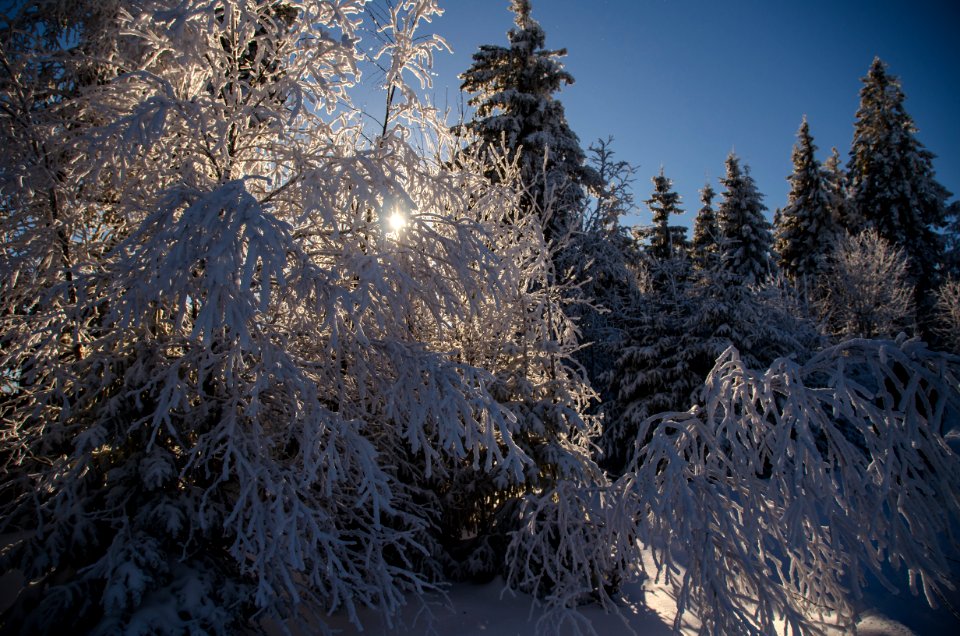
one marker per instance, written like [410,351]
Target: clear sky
[679,83]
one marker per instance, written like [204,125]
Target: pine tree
[734,305]
[513,91]
[835,182]
[686,319]
[652,373]
[893,186]
[665,239]
[745,239]
[805,230]
[951,260]
[704,247]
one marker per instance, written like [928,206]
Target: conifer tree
[652,373]
[513,91]
[686,319]
[732,304]
[952,240]
[703,250]
[745,239]
[805,228]
[893,187]
[665,239]
[835,182]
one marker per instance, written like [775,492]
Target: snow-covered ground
[487,610]
[647,609]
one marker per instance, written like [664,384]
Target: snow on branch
[785,488]
[571,550]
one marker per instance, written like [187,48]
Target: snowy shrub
[866,289]
[574,547]
[780,493]
[948,314]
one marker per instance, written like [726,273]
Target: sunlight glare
[397,221]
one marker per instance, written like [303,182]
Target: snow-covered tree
[835,183]
[545,533]
[736,301]
[948,314]
[745,240]
[867,289]
[603,259]
[513,90]
[754,319]
[805,230]
[705,243]
[666,240]
[788,486]
[733,304]
[652,372]
[951,257]
[893,186]
[685,319]
[649,373]
[233,388]
[48,218]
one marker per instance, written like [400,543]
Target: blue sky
[679,83]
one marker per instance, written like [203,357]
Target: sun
[397,221]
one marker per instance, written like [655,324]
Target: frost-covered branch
[574,547]
[867,291]
[787,487]
[284,406]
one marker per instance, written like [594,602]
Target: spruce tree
[513,91]
[951,258]
[745,239]
[805,227]
[652,373]
[703,250]
[665,239]
[893,187]
[835,182]
[732,307]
